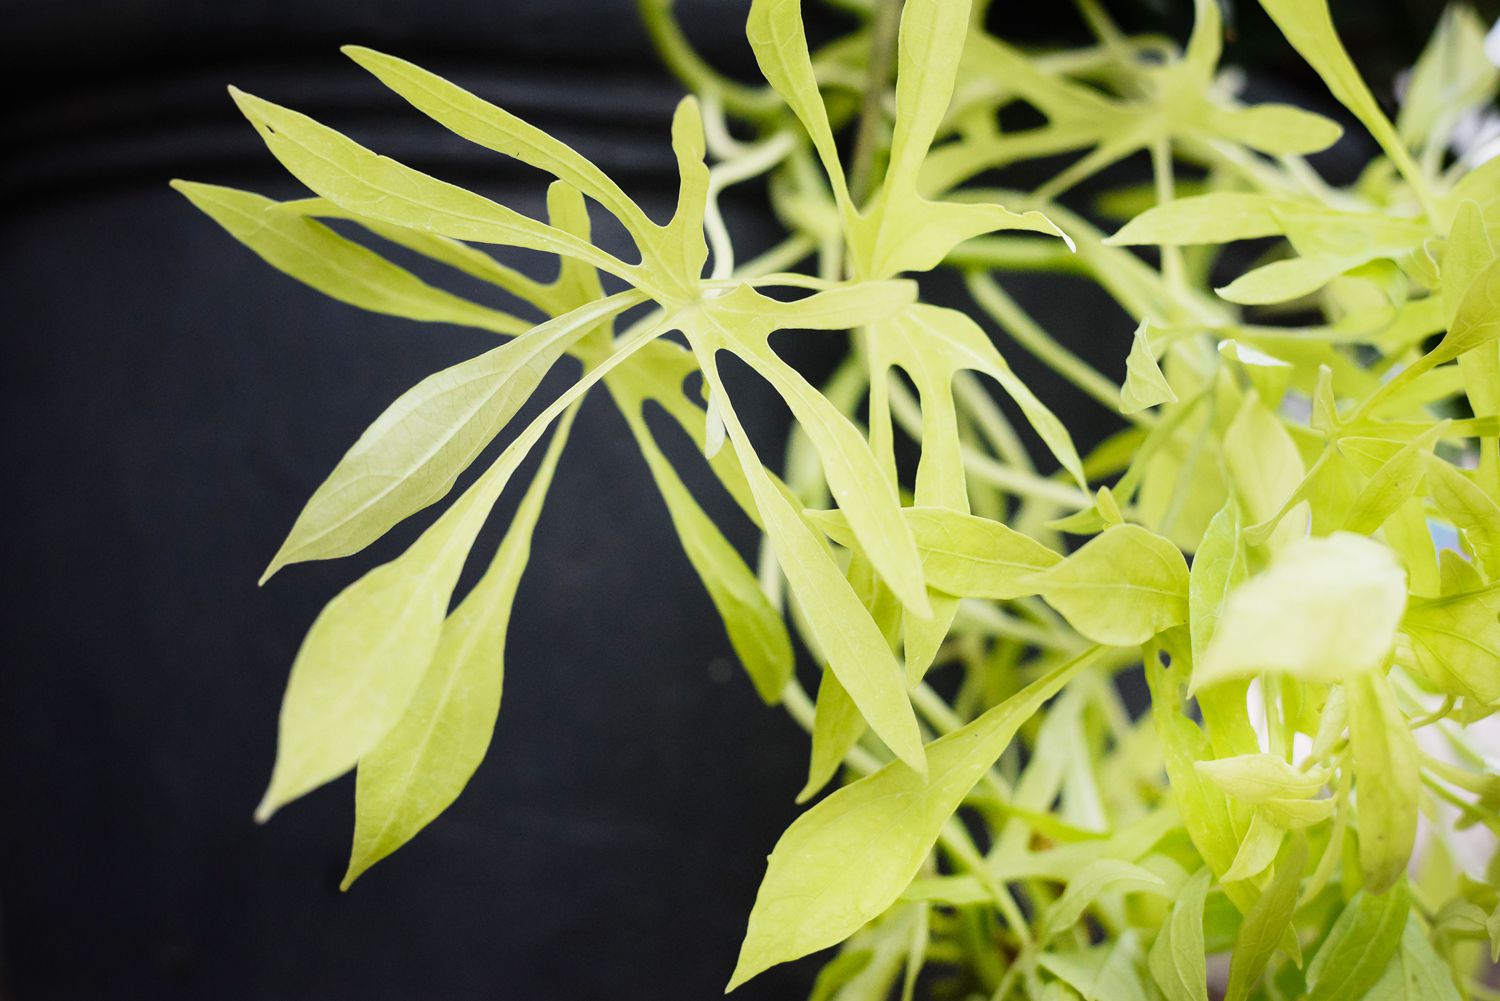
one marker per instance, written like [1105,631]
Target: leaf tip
[266,809]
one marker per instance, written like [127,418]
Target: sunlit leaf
[848,858]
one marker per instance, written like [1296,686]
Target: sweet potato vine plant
[1296,533]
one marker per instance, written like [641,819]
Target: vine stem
[884,31]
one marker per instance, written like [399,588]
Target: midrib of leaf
[597,312]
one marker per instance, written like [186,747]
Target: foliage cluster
[1296,532]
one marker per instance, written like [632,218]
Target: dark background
[169,404]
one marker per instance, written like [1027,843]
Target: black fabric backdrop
[169,404]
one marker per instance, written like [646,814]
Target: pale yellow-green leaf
[962,554]
[837,727]
[1472,511]
[413,452]
[838,622]
[756,630]
[1453,73]
[1120,588]
[1176,959]
[1393,484]
[1266,921]
[1105,876]
[741,322]
[1145,386]
[1265,469]
[1387,781]
[360,181]
[1259,778]
[339,268]
[850,857]
[1326,609]
[1257,849]
[422,765]
[1308,25]
[1277,129]
[1218,568]
[1456,640]
[1476,323]
[961,343]
[1353,957]
[370,646]
[1283,281]
[1106,972]
[1216,217]
[494,128]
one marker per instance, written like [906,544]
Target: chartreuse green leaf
[1145,386]
[1108,972]
[1326,609]
[1121,588]
[1265,469]
[962,554]
[900,230]
[840,626]
[1362,942]
[1472,511]
[1095,879]
[1308,25]
[1218,568]
[420,767]
[1456,640]
[1176,959]
[849,858]
[369,648]
[837,727]
[741,322]
[1267,921]
[1415,972]
[954,341]
[414,452]
[339,268]
[1387,781]
[359,181]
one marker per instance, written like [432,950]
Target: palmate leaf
[857,652]
[364,657]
